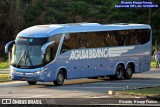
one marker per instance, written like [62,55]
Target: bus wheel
[32,82]
[128,73]
[60,79]
[119,72]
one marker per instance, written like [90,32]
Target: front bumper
[38,74]
[23,76]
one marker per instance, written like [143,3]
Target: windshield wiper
[20,58]
[26,57]
[24,53]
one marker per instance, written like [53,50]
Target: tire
[60,79]
[128,73]
[32,82]
[119,73]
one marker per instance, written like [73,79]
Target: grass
[152,92]
[3,65]
[5,77]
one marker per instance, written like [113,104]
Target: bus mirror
[8,45]
[44,47]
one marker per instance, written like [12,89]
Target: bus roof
[39,31]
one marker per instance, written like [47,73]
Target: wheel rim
[60,79]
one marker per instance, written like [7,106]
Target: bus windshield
[27,52]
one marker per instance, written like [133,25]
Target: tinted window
[52,50]
[105,39]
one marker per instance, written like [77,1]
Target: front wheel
[60,79]
[32,82]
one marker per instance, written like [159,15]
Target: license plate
[24,78]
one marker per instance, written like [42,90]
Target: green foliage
[33,14]
[79,7]
[60,17]
[3,65]
[5,77]
[153,64]
[49,15]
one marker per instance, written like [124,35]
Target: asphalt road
[81,88]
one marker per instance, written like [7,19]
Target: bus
[58,52]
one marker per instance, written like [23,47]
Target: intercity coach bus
[57,52]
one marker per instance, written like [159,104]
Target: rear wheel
[32,82]
[60,78]
[128,73]
[119,73]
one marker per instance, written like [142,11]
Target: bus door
[88,69]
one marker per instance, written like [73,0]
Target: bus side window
[82,42]
[50,54]
[70,42]
[65,44]
[64,48]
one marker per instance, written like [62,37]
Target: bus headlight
[38,72]
[41,71]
